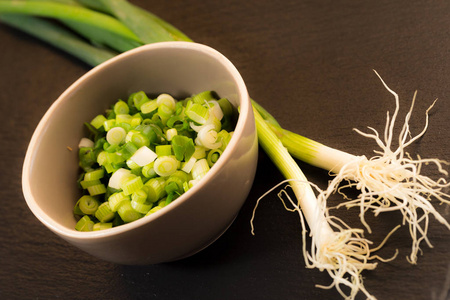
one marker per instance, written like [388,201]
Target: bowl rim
[245,109]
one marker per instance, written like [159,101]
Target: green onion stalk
[389,181]
[336,248]
[112,27]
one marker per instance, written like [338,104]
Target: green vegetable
[389,181]
[145,17]
[136,20]
[128,171]
[340,250]
[67,12]
[59,37]
[85,224]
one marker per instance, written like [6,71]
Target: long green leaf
[140,22]
[67,12]
[58,37]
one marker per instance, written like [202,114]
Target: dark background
[309,63]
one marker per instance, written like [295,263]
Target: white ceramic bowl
[194,220]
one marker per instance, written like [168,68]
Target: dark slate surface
[308,62]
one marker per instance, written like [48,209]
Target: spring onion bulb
[389,181]
[336,248]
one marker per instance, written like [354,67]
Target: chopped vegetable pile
[144,153]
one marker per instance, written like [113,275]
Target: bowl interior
[51,164]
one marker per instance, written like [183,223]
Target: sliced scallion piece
[127,213]
[85,224]
[104,213]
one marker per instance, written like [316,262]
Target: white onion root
[392,180]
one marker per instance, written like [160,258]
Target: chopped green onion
[213,156]
[153,210]
[85,143]
[102,226]
[163,150]
[116,199]
[162,202]
[207,137]
[215,110]
[203,97]
[98,121]
[136,120]
[102,158]
[171,187]
[132,185]
[104,213]
[188,165]
[97,189]
[121,107]
[117,178]
[171,133]
[196,112]
[148,170]
[140,139]
[166,100]
[179,177]
[94,175]
[166,165]
[143,156]
[183,147]
[84,224]
[149,107]
[87,183]
[132,165]
[123,119]
[155,189]
[140,196]
[127,213]
[116,136]
[142,208]
[200,152]
[165,112]
[88,204]
[108,124]
[139,98]
[200,168]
